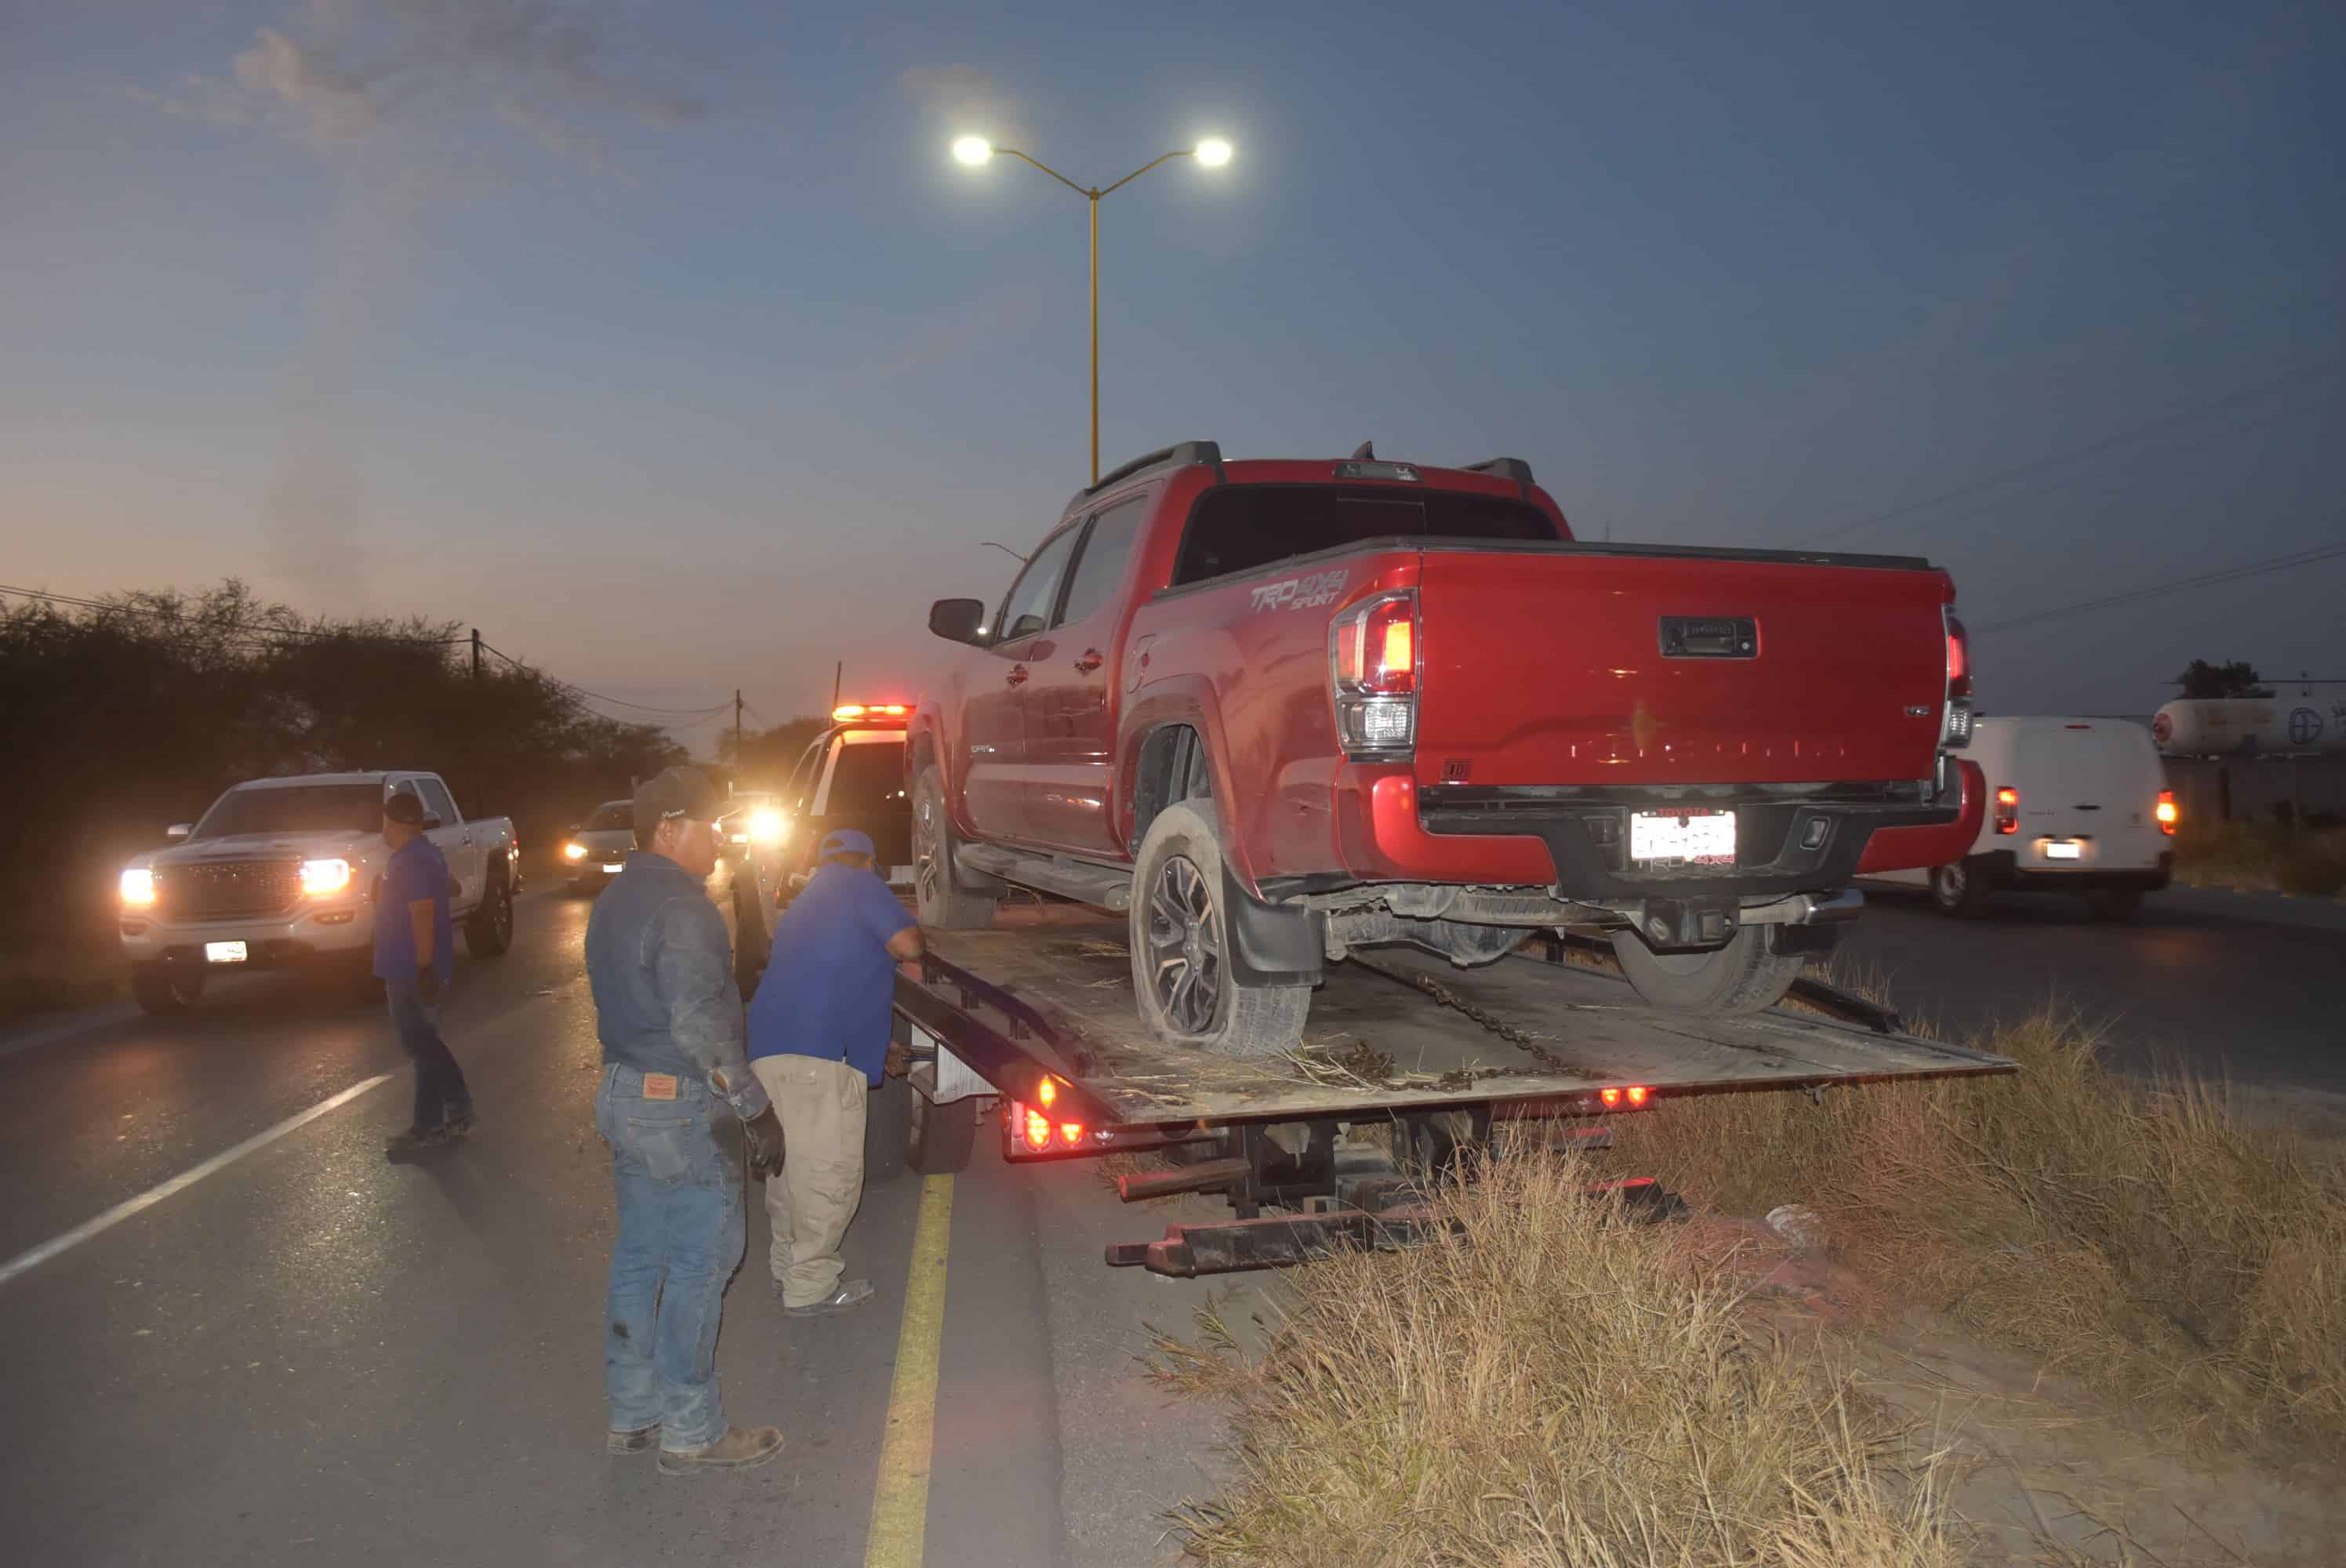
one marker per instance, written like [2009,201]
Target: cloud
[965,99]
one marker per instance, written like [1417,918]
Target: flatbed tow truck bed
[1041,1014]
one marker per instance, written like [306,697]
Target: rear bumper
[2001,869]
[1389,829]
[301,936]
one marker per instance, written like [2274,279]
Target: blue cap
[846,841]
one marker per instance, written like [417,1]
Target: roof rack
[1180,455]
[1513,468]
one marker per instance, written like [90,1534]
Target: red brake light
[2167,812]
[1037,1128]
[2007,810]
[1071,1133]
[1959,658]
[1637,1094]
[1610,1096]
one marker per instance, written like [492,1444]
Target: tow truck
[1413,1068]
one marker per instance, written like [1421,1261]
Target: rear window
[868,777]
[1239,527]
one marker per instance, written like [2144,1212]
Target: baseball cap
[846,841]
[404,806]
[673,792]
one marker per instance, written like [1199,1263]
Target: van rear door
[2088,789]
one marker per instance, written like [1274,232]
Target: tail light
[1957,731]
[2166,812]
[1373,665]
[2007,810]
[1033,1132]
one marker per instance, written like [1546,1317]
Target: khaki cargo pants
[821,1107]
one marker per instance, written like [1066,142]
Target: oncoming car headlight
[322,877]
[766,825]
[138,886]
[574,851]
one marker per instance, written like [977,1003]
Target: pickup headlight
[574,851]
[138,886]
[322,877]
[766,825]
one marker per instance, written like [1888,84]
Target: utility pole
[737,732]
[837,675]
[477,653]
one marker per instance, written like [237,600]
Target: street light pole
[1213,152]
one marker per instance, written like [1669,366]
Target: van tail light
[2007,810]
[1955,731]
[1373,664]
[2167,812]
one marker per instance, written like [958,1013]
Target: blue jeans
[440,1088]
[680,1239]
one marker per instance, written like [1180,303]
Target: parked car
[597,849]
[2075,806]
[1277,710]
[281,871]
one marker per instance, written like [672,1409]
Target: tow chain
[1499,1026]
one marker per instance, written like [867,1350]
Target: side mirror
[178,830]
[430,823]
[959,620]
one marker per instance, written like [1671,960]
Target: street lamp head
[972,150]
[1213,152]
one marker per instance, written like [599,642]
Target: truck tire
[1958,891]
[1741,977]
[938,1139]
[1179,938]
[942,902]
[163,992]
[488,930]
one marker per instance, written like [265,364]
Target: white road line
[25,1261]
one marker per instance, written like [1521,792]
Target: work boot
[414,1141]
[739,1448]
[851,1293]
[458,1124]
[634,1441]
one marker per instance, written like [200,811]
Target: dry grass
[1547,1387]
[2262,854]
[2143,1238]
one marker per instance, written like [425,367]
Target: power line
[617,701]
[2126,437]
[2199,580]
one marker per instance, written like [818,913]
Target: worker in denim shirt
[670,1017]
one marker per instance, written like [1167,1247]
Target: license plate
[225,953]
[1682,837]
[613,871]
[2063,850]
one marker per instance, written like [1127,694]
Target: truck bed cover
[1391,1029]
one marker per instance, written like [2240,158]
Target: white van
[2075,805]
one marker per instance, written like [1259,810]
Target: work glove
[899,1060]
[763,1133]
[428,985]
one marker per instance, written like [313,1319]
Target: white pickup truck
[281,871]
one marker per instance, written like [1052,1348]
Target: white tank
[2252,726]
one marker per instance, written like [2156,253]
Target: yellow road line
[900,1502]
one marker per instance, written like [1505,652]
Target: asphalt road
[311,1356]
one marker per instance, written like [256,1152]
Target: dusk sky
[665,343]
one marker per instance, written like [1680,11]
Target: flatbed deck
[1392,1029]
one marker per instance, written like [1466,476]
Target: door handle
[1093,658]
[1017,675]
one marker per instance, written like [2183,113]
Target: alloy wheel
[1185,947]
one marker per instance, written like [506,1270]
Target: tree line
[125,715]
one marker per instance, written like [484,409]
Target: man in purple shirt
[415,944]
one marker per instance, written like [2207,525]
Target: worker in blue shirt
[415,956]
[818,1042]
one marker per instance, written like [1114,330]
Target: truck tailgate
[1626,665]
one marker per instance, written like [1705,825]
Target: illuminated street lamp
[975,151]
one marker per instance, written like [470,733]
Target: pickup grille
[219,889]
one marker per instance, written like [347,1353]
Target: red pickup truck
[1276,710]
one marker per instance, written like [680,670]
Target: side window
[802,777]
[1100,567]
[1027,610]
[436,803]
